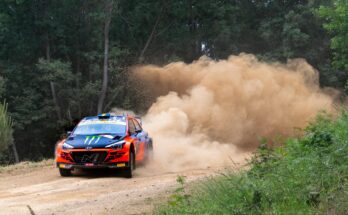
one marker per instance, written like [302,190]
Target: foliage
[2,87]
[58,45]
[179,195]
[336,18]
[5,128]
[306,176]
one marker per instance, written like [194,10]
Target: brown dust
[211,113]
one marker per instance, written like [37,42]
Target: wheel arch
[132,148]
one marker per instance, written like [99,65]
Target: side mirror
[138,131]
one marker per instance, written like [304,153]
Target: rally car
[104,141]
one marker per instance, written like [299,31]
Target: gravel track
[40,190]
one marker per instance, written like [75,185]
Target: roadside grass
[25,165]
[307,175]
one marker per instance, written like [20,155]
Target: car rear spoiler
[138,118]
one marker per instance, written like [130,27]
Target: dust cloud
[211,113]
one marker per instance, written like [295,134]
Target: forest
[61,60]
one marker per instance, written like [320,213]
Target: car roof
[111,116]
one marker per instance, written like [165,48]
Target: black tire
[65,172]
[131,166]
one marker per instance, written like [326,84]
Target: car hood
[93,141]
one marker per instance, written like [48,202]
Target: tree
[336,22]
[62,60]
[108,15]
[6,139]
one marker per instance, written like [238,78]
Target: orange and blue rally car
[104,141]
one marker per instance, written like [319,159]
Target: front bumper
[86,159]
[93,166]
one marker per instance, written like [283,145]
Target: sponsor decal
[89,139]
[107,136]
[97,140]
[89,158]
[113,122]
[93,137]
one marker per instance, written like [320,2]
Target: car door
[134,135]
[140,134]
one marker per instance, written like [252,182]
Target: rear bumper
[117,165]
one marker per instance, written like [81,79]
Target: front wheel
[64,172]
[131,165]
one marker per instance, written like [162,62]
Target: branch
[149,39]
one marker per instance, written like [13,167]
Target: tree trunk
[15,153]
[48,49]
[77,81]
[54,97]
[108,10]
[53,91]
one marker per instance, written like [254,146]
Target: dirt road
[43,191]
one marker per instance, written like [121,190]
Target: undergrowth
[307,175]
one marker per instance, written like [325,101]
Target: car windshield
[100,128]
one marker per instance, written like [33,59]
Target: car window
[100,128]
[131,126]
[96,126]
[137,126]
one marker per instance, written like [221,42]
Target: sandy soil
[43,191]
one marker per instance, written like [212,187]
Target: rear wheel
[65,172]
[131,165]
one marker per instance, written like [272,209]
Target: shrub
[307,175]
[5,128]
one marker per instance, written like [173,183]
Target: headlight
[117,145]
[67,146]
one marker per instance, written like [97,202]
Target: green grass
[307,175]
